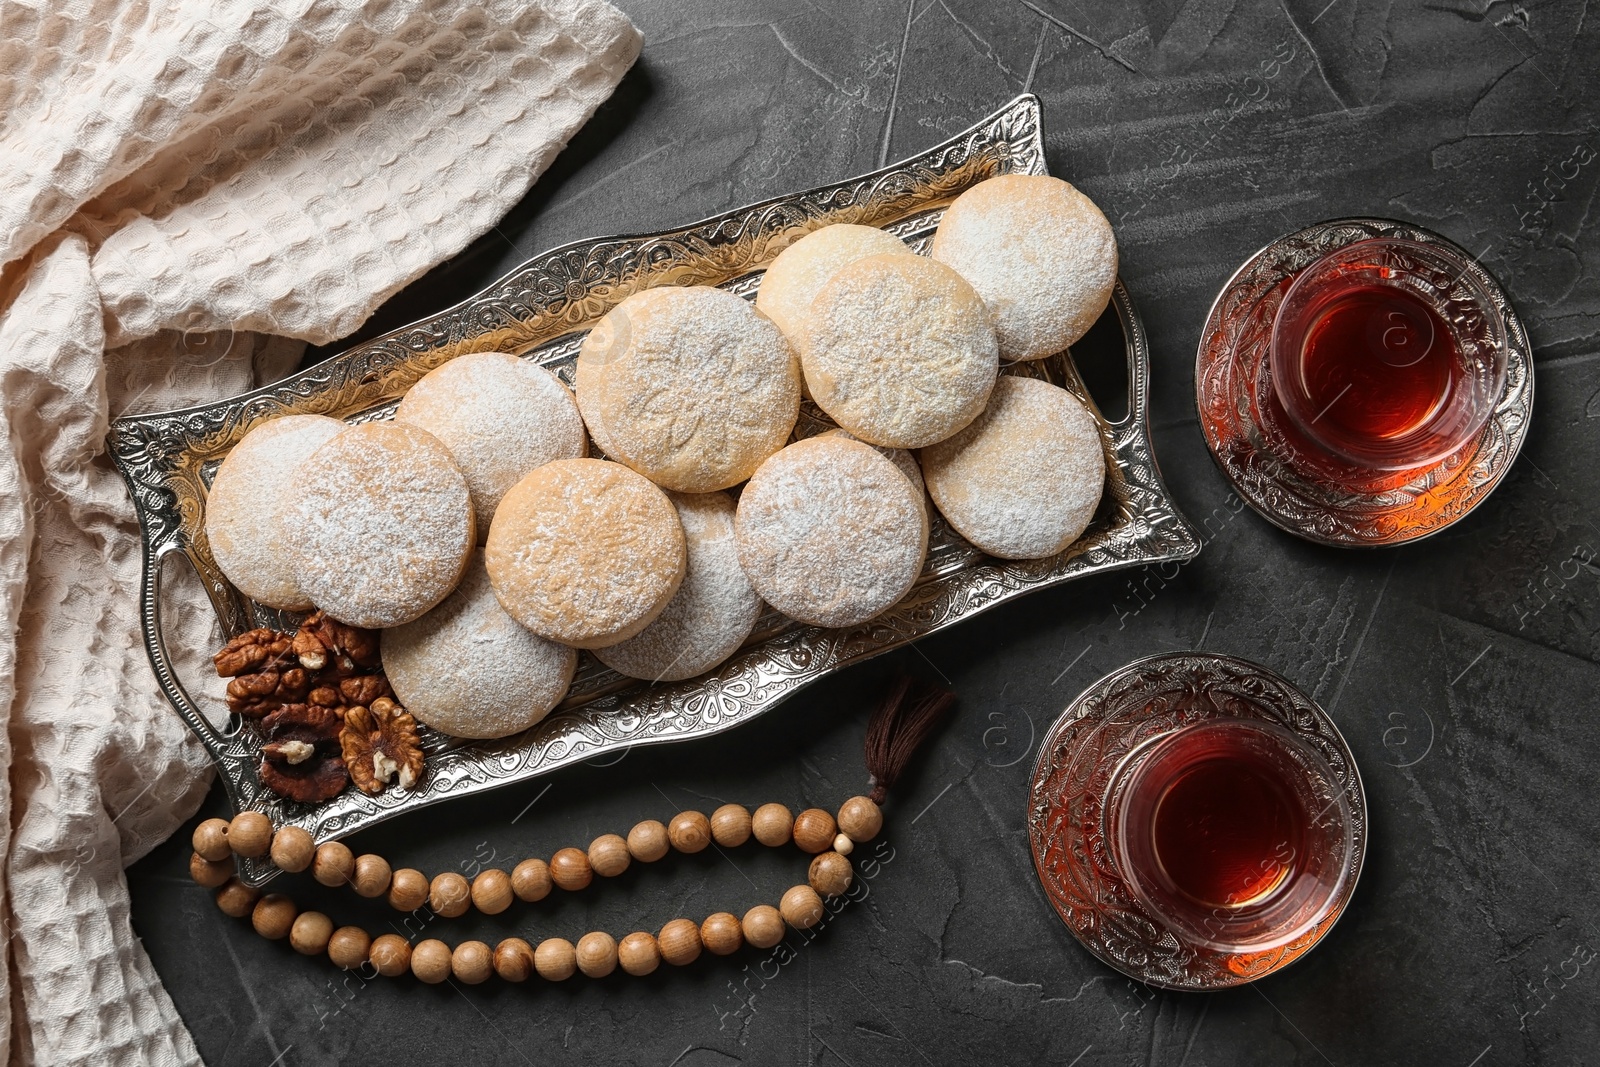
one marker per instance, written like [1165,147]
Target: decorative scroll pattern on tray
[540,311]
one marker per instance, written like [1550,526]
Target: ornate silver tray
[1384,508]
[1127,707]
[541,311]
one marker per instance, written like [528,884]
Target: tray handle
[221,748]
[1137,349]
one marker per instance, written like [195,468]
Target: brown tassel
[902,722]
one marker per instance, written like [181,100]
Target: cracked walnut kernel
[259,694]
[323,643]
[380,745]
[301,758]
[249,652]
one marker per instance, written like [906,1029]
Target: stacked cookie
[477,533]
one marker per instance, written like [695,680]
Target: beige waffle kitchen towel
[188,193]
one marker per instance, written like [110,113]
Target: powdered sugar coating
[904,460]
[714,610]
[500,417]
[899,350]
[469,669]
[585,552]
[247,507]
[793,280]
[382,526]
[688,385]
[1039,252]
[829,532]
[1023,481]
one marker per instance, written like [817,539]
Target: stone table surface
[1462,670]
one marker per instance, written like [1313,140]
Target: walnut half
[380,745]
[259,694]
[250,652]
[327,644]
[301,758]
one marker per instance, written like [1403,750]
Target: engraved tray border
[540,311]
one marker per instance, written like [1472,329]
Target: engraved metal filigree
[1231,376]
[540,311]
[1128,707]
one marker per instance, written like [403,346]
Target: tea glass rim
[1462,265]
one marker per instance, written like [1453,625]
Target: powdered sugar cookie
[904,461]
[382,526]
[1041,255]
[1023,481]
[830,532]
[795,277]
[714,609]
[688,385]
[500,417]
[899,350]
[246,509]
[469,669]
[585,552]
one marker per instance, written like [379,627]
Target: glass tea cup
[1232,832]
[1387,354]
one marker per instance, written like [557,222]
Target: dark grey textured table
[1463,670]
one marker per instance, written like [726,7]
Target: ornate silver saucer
[1076,775]
[1232,382]
[541,311]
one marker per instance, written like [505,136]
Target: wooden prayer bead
[608,855]
[292,849]
[348,947]
[250,834]
[730,825]
[390,955]
[763,926]
[801,907]
[639,954]
[679,941]
[689,831]
[408,889]
[472,962]
[843,845]
[647,841]
[721,935]
[449,896]
[207,874]
[371,877]
[333,864]
[570,869]
[597,954]
[430,961]
[491,891]
[555,959]
[530,880]
[310,932]
[211,840]
[513,959]
[830,874]
[273,916]
[236,900]
[860,818]
[772,824]
[814,830]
